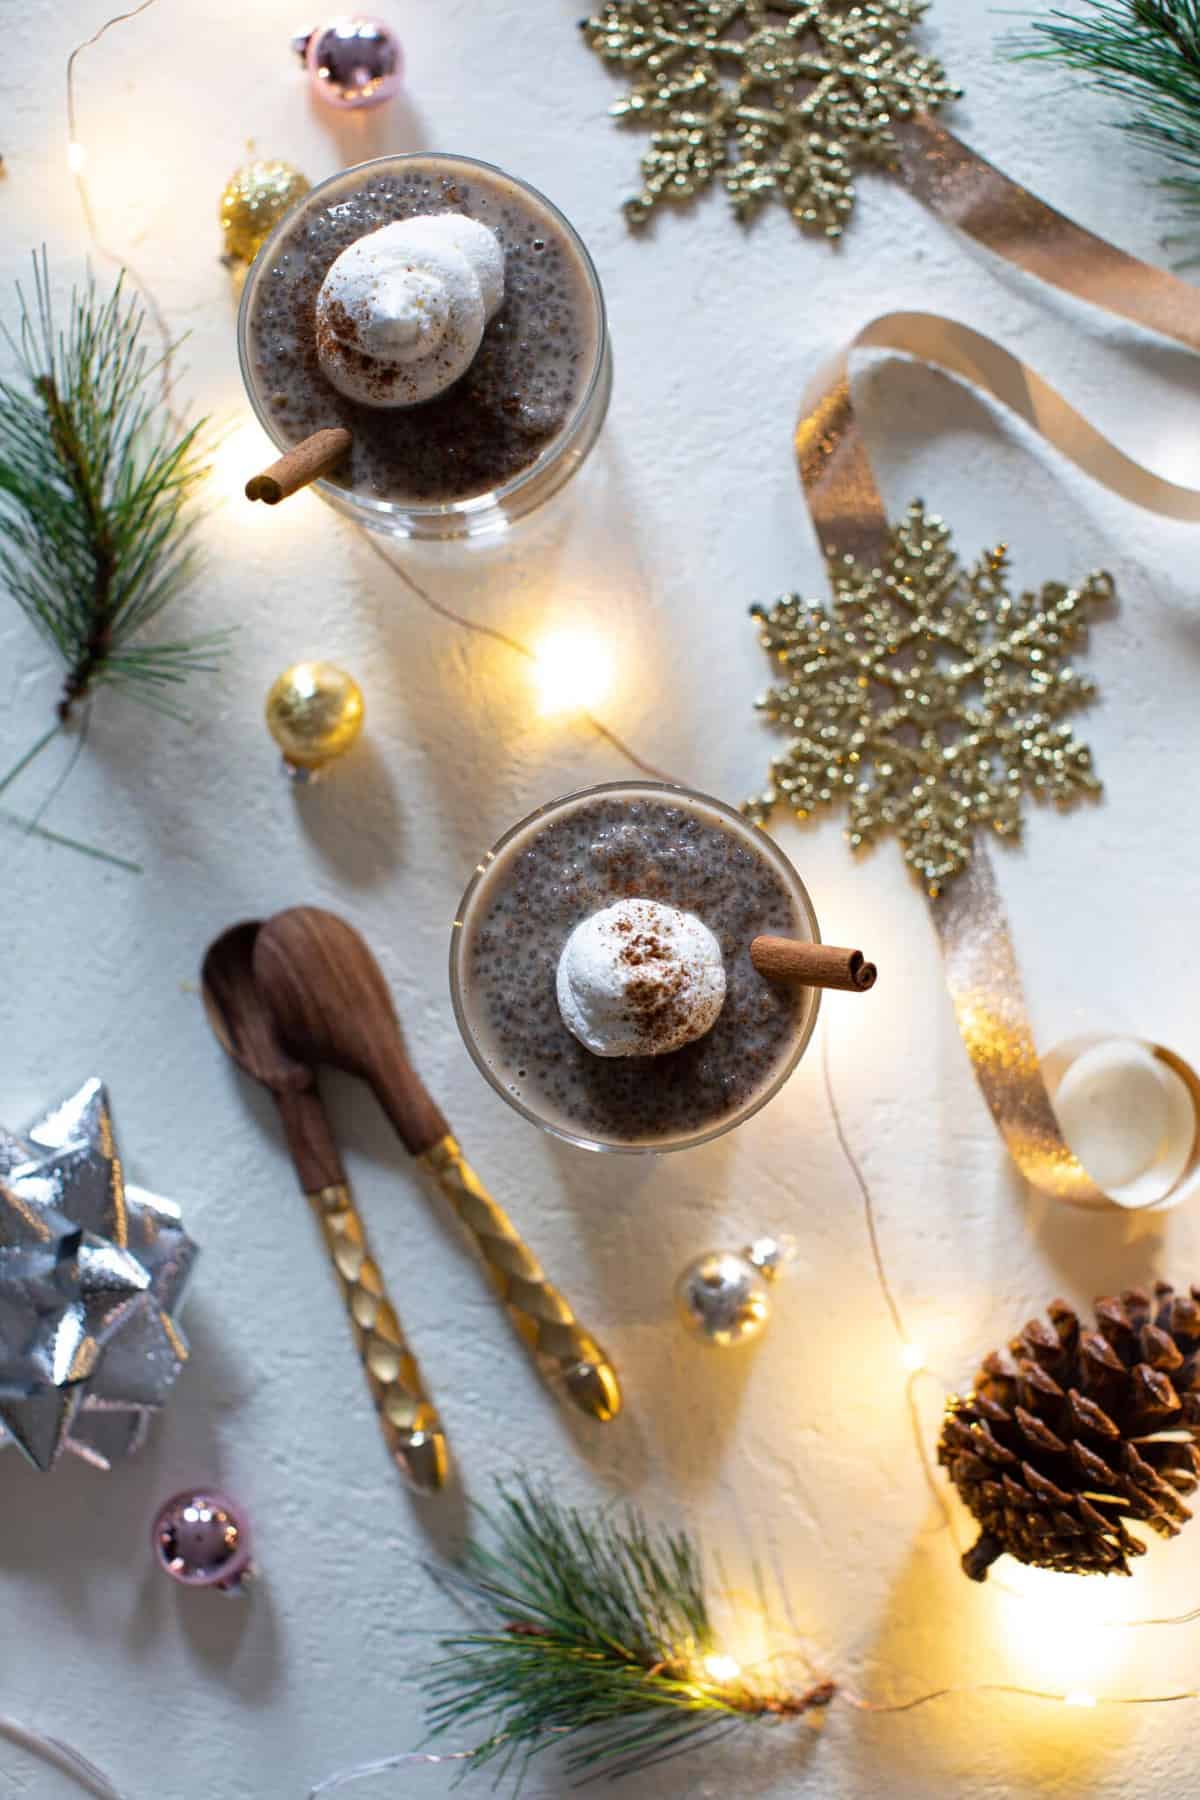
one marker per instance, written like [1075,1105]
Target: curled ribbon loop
[980,961]
[840,486]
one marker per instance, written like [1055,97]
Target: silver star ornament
[93,1273]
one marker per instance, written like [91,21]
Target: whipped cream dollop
[639,979]
[402,310]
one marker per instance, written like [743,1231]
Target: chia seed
[521,390]
[580,861]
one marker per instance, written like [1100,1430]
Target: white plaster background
[689,510]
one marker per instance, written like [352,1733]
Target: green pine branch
[593,1635]
[1145,53]
[96,529]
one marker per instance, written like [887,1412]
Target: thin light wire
[118,19]
[927,1469]
[60,1756]
[382,1766]
[518,649]
[885,1286]
[879,1708]
[1185,1618]
[1024,1693]
[155,311]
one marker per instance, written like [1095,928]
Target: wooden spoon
[331,1005]
[244,1029]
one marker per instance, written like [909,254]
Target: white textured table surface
[689,510]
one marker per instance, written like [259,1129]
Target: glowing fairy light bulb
[1056,1636]
[573,671]
[76,156]
[241,445]
[913,1358]
[721,1669]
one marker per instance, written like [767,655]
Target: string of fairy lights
[553,662]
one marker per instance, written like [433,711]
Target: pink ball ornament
[352,62]
[201,1540]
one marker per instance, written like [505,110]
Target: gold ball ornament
[314,712]
[724,1297]
[256,197]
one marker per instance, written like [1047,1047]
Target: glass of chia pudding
[600,968]
[450,318]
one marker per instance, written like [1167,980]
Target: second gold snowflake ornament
[927,697]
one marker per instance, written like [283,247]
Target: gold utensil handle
[408,1418]
[540,1313]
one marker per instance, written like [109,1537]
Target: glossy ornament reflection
[723,1297]
[201,1539]
[352,62]
[314,712]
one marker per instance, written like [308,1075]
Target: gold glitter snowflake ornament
[928,697]
[783,97]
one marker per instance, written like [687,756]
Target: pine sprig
[1145,53]
[96,530]
[596,1635]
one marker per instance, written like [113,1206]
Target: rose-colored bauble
[201,1540]
[352,61]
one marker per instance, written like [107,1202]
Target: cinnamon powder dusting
[658,1002]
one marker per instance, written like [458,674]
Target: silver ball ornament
[724,1296]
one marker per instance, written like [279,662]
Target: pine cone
[1069,1433]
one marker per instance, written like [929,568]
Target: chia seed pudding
[570,861]
[526,384]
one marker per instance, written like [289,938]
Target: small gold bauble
[723,1297]
[256,197]
[314,713]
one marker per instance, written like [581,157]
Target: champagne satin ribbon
[843,497]
[842,493]
[959,185]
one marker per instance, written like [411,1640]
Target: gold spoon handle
[540,1313]
[408,1418]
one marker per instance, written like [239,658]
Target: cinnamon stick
[304,462]
[815,965]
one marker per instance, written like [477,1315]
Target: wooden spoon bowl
[331,1005]
[240,1022]
[246,1031]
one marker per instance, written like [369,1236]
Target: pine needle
[96,521]
[1145,53]
[96,531]
[593,1635]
